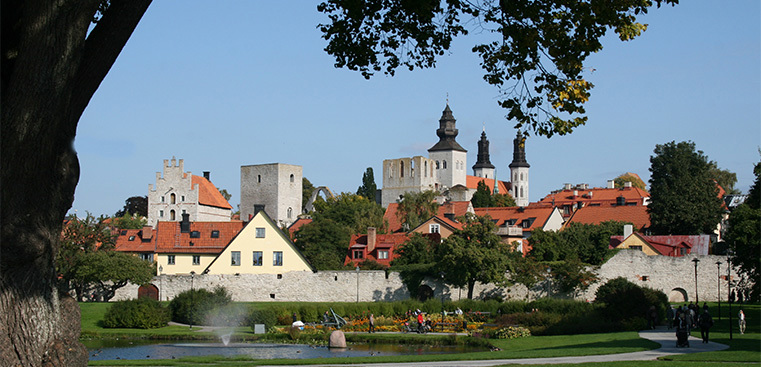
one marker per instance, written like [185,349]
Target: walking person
[741,321]
[371,321]
[706,321]
[670,317]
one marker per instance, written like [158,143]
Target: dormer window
[215,234]
[195,234]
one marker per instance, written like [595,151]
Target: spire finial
[447,98]
[484,128]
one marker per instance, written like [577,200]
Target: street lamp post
[718,286]
[192,298]
[357,283]
[696,261]
[729,297]
[443,312]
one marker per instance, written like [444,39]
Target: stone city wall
[674,276]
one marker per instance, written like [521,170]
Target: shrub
[265,316]
[512,332]
[622,300]
[141,313]
[194,306]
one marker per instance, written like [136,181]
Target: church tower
[483,167]
[519,172]
[449,156]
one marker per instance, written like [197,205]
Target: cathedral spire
[447,132]
[519,152]
[483,160]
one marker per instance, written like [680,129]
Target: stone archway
[678,295]
[322,189]
[150,291]
[424,293]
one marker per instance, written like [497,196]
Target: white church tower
[450,157]
[519,172]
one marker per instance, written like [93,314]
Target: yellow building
[260,248]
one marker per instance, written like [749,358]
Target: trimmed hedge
[141,313]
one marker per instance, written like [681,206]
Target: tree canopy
[635,180]
[416,207]
[324,243]
[134,205]
[355,212]
[483,198]
[473,254]
[534,53]
[684,196]
[744,237]
[110,270]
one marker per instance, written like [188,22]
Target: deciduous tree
[110,270]
[744,236]
[81,236]
[353,211]
[134,205]
[473,254]
[324,243]
[684,197]
[635,180]
[416,207]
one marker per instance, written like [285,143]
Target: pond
[125,349]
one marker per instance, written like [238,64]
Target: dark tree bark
[51,67]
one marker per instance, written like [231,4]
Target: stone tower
[275,188]
[519,171]
[450,157]
[416,174]
[483,167]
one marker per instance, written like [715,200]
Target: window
[434,228]
[401,169]
[258,258]
[123,232]
[196,259]
[358,254]
[290,213]
[645,278]
[146,257]
[292,178]
[636,247]
[172,198]
[444,163]
[382,254]
[131,238]
[277,258]
[183,211]
[171,215]
[260,232]
[425,169]
[195,234]
[182,198]
[235,258]
[161,214]
[170,259]
[215,234]
[259,178]
[437,164]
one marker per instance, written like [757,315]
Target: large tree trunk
[51,68]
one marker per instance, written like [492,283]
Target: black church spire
[447,133]
[519,152]
[482,160]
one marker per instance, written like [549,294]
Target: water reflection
[135,350]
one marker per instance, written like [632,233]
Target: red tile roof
[603,196]
[208,193]
[516,216]
[131,240]
[664,245]
[472,183]
[169,239]
[382,241]
[636,215]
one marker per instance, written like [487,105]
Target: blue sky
[248,83]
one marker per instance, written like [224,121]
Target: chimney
[611,184]
[628,184]
[206,175]
[449,216]
[628,230]
[566,186]
[371,238]
[147,233]
[575,193]
[185,224]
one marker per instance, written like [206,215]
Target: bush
[621,300]
[195,306]
[265,316]
[512,332]
[141,313]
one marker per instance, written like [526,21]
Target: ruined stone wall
[673,276]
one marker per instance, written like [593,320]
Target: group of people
[688,317]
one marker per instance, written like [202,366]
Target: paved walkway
[664,337]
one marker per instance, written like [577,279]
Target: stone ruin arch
[325,192]
[678,295]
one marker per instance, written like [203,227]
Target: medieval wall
[673,276]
